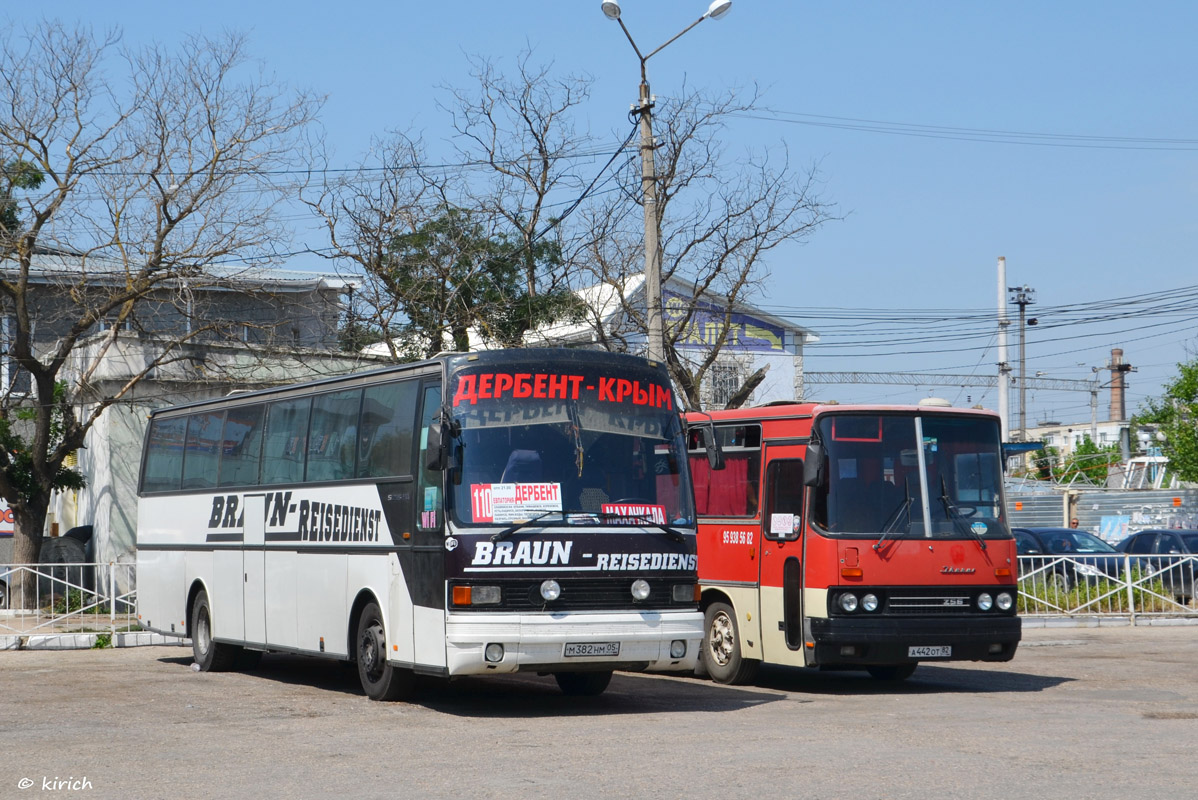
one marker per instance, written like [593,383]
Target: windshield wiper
[524,523]
[673,533]
[894,516]
[953,514]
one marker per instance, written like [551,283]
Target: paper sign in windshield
[513,502]
[635,512]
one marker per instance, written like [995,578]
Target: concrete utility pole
[1004,367]
[1023,297]
[644,107]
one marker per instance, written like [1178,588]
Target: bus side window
[428,499]
[734,491]
[385,430]
[201,454]
[164,455]
[285,441]
[333,437]
[242,445]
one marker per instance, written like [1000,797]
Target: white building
[755,339]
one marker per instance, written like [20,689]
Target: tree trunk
[741,395]
[28,524]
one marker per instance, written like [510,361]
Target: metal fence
[68,598]
[1111,585]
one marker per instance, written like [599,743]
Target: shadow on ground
[928,679]
[516,696]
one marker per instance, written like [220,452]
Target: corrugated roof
[51,266]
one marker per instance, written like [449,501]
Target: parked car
[1070,556]
[1176,554]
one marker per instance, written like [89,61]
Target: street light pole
[656,332]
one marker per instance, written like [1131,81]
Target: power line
[981,135]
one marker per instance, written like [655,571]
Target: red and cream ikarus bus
[852,537]
[526,510]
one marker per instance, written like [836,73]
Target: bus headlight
[678,648]
[493,652]
[1005,601]
[848,601]
[870,602]
[985,602]
[551,590]
[640,589]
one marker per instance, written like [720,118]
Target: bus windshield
[910,475]
[585,443]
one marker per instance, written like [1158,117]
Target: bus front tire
[721,653]
[891,672]
[380,679]
[582,684]
[209,655]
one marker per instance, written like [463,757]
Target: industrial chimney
[1118,370]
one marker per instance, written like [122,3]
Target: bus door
[253,556]
[781,570]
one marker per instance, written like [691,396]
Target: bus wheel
[209,655]
[891,672]
[380,679]
[582,684]
[721,647]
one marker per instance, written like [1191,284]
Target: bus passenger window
[734,491]
[385,430]
[164,455]
[333,437]
[201,454]
[286,437]
[242,445]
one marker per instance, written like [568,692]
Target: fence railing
[1108,584]
[67,598]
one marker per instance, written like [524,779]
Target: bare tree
[363,212]
[442,249]
[719,217]
[156,168]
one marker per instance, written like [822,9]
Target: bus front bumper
[902,640]
[572,642]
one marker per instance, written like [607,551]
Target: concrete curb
[1106,622]
[86,641]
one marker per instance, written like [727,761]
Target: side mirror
[436,450]
[715,454]
[813,465]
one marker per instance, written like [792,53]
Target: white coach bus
[536,515]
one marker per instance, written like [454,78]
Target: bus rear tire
[891,672]
[380,679]
[209,655]
[721,654]
[582,684]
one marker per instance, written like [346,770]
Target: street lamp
[611,8]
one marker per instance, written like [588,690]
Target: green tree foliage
[451,275]
[1175,414]
[1045,463]
[19,469]
[14,174]
[1089,463]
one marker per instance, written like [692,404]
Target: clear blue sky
[926,212]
